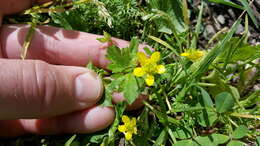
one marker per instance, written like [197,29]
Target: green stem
[132,143]
[257,117]
[206,84]
[28,40]
[164,111]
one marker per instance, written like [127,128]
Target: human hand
[48,94]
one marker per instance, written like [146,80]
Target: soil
[216,17]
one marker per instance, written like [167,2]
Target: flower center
[129,127]
[150,67]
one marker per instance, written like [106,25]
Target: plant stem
[257,117]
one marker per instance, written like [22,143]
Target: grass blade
[250,12]
[158,40]
[204,64]
[185,12]
[198,26]
[69,142]
[228,3]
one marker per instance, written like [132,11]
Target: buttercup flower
[148,67]
[193,54]
[128,128]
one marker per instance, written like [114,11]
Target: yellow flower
[148,67]
[129,127]
[193,54]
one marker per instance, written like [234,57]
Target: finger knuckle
[46,85]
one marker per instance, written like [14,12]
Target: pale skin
[51,92]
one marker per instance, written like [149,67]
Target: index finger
[56,45]
[14,6]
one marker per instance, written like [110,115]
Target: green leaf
[130,89]
[204,141]
[119,108]
[110,89]
[90,66]
[139,140]
[170,14]
[246,52]
[106,37]
[69,142]
[217,50]
[122,59]
[62,19]
[230,48]
[258,140]
[107,100]
[158,40]
[195,36]
[206,99]
[212,140]
[184,143]
[235,95]
[133,46]
[161,116]
[240,132]
[219,138]
[227,2]
[96,137]
[161,138]
[234,92]
[224,102]
[251,99]
[250,12]
[235,143]
[183,132]
[207,118]
[148,51]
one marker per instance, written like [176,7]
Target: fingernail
[88,87]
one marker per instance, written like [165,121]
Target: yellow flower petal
[142,58]
[139,72]
[185,54]
[193,54]
[128,135]
[122,128]
[160,69]
[125,119]
[149,80]
[135,130]
[199,53]
[196,55]
[155,57]
[133,121]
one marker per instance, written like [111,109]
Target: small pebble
[221,19]
[240,29]
[231,13]
[256,87]
[210,30]
[253,41]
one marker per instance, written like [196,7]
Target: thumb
[35,89]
